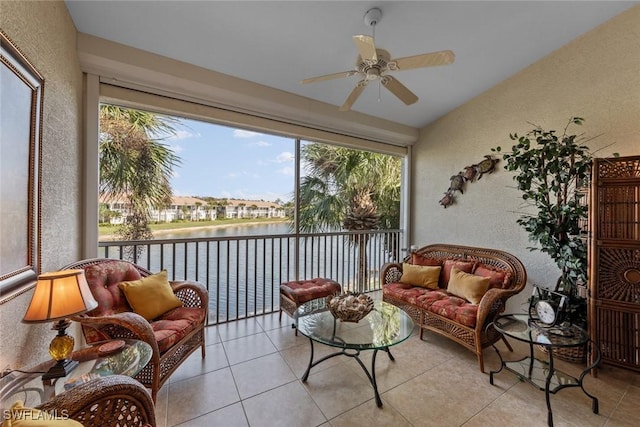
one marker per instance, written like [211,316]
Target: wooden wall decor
[614,257]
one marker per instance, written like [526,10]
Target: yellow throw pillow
[19,416]
[468,286]
[418,275]
[150,296]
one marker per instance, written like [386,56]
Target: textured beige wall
[45,33]
[597,76]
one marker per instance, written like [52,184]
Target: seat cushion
[406,293]
[452,307]
[306,290]
[436,301]
[174,325]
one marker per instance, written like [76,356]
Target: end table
[542,373]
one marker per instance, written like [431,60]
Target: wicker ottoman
[294,294]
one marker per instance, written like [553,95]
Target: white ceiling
[277,44]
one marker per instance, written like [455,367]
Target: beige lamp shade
[58,295]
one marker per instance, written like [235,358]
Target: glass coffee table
[385,326]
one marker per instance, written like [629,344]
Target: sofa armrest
[103,401]
[132,322]
[192,294]
[390,273]
[492,304]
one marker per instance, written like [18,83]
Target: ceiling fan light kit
[374,64]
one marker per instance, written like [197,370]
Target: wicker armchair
[172,337]
[116,400]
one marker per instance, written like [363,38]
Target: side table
[541,373]
[29,387]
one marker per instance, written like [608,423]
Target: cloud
[261,144]
[242,174]
[284,157]
[176,148]
[286,171]
[241,133]
[183,134]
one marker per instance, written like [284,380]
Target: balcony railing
[243,273]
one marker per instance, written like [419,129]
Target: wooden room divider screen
[614,273]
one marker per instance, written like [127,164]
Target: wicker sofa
[449,315]
[172,336]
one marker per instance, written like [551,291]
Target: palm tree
[349,189]
[135,164]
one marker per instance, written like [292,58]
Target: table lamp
[58,295]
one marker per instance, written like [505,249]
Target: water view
[242,266]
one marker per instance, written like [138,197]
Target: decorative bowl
[350,307]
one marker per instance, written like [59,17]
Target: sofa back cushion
[498,278]
[417,259]
[103,279]
[460,264]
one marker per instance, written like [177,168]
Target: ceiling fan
[374,64]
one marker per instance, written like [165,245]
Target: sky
[225,162]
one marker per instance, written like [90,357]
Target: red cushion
[498,278]
[437,301]
[453,307]
[103,281]
[306,290]
[417,259]
[172,326]
[400,291]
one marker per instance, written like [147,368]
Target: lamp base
[60,369]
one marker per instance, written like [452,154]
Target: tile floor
[251,377]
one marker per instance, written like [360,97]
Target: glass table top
[386,325]
[520,327]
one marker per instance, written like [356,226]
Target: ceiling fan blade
[354,95]
[399,90]
[366,47]
[329,77]
[433,59]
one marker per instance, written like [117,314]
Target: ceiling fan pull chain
[379,91]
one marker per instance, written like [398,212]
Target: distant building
[235,208]
[193,209]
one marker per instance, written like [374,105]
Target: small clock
[546,308]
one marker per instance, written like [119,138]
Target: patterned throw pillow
[423,276]
[468,286]
[498,278]
[417,259]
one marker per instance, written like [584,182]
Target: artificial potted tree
[551,171]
